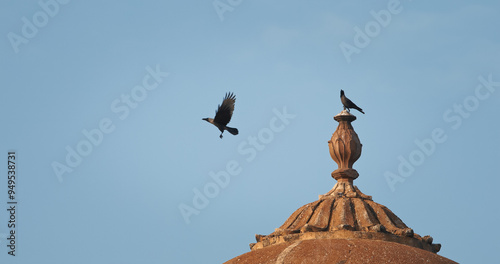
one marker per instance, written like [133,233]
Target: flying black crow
[348,103]
[223,115]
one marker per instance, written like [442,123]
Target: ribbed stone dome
[345,212]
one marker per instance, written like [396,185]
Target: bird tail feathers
[359,109]
[231,130]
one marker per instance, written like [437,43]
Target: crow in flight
[348,103]
[223,115]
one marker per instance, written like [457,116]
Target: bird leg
[220,135]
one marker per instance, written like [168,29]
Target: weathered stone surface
[332,214]
[345,251]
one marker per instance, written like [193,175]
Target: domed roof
[339,251]
[344,225]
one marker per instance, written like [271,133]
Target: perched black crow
[348,103]
[223,115]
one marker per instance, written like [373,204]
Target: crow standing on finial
[348,103]
[223,115]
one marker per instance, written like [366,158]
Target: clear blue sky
[102,103]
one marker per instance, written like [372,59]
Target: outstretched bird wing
[225,110]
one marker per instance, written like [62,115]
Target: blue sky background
[120,204]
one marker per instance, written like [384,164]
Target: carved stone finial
[345,148]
